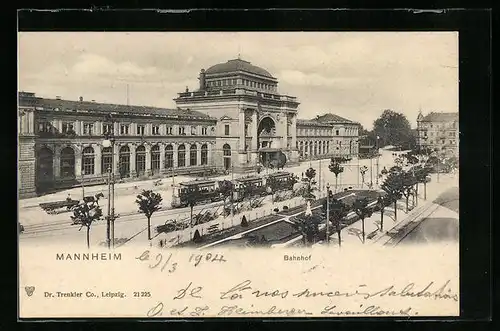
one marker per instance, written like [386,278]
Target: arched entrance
[266,131]
[155,159]
[227,156]
[140,160]
[67,163]
[45,168]
[169,156]
[124,162]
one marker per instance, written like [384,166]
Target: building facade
[327,135]
[255,121]
[61,144]
[235,121]
[439,131]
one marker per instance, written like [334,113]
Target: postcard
[238,174]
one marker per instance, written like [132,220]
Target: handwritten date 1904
[198,258]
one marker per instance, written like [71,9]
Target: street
[440,226]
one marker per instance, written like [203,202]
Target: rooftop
[238,65]
[440,117]
[332,118]
[96,107]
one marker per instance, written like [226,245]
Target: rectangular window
[193,130]
[204,130]
[336,132]
[182,131]
[44,127]
[107,128]
[169,130]
[156,130]
[124,129]
[68,127]
[141,130]
[226,129]
[88,128]
[246,130]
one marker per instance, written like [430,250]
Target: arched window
[193,155]
[68,163]
[45,162]
[88,165]
[204,154]
[181,156]
[155,159]
[140,160]
[169,156]
[227,156]
[124,162]
[107,160]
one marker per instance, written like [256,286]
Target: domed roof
[237,65]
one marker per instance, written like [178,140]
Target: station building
[234,120]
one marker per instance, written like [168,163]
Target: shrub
[276,210]
[197,237]
[244,222]
[285,207]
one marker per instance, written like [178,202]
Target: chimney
[202,80]
[81,99]
[58,97]
[93,100]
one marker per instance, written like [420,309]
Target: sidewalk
[352,234]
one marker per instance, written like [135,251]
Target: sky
[355,75]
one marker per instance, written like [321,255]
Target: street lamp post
[327,239]
[109,141]
[83,186]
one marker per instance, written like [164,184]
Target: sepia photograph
[295,147]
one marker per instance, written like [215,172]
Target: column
[116,129]
[294,131]
[148,159]
[187,155]
[98,128]
[97,160]
[78,163]
[198,153]
[176,163]
[132,161]
[56,163]
[162,157]
[254,131]
[242,130]
[209,154]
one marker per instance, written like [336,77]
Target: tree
[360,207]
[226,189]
[192,196]
[308,192]
[308,226]
[408,185]
[85,214]
[393,186]
[338,213]
[310,174]
[336,169]
[382,203]
[197,237]
[422,176]
[273,184]
[244,222]
[393,129]
[148,202]
[363,171]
